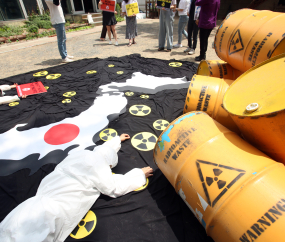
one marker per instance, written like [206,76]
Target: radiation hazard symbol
[111,65]
[144,96]
[46,87]
[129,94]
[13,104]
[53,76]
[41,73]
[217,179]
[140,110]
[120,72]
[143,187]
[66,101]
[175,64]
[236,44]
[163,4]
[160,124]
[69,94]
[85,226]
[144,141]
[108,134]
[91,72]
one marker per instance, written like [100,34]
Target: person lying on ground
[8,99]
[66,194]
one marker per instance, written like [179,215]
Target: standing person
[183,19]
[166,20]
[66,194]
[206,23]
[131,23]
[109,20]
[58,22]
[192,28]
[103,33]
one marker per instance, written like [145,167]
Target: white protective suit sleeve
[65,195]
[5,87]
[9,99]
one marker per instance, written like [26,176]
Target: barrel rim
[244,74]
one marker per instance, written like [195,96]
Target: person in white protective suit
[8,99]
[66,195]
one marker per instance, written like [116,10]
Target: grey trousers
[166,20]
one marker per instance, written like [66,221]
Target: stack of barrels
[225,156]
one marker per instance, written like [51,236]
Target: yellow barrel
[206,94]
[256,102]
[218,68]
[234,190]
[248,37]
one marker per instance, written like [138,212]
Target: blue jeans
[61,39]
[183,20]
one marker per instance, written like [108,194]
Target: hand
[24,96]
[147,171]
[123,137]
[155,5]
[134,15]
[13,86]
[163,8]
[197,21]
[116,12]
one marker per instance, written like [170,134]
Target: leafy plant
[11,30]
[33,29]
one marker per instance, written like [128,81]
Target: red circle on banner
[61,134]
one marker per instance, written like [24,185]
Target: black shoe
[160,49]
[199,58]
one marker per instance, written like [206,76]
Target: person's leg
[207,34]
[162,32]
[180,29]
[109,34]
[184,22]
[169,29]
[113,27]
[195,35]
[61,39]
[190,30]
[103,33]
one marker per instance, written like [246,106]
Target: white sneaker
[177,46]
[110,42]
[66,60]
[191,52]
[116,43]
[187,50]
[70,57]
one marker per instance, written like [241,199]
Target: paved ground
[22,57]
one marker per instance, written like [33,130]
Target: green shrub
[33,29]
[11,30]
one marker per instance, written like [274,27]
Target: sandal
[160,49]
[134,42]
[168,50]
[130,44]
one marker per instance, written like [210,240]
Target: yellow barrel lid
[259,91]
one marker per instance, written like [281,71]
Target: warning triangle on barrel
[217,179]
[236,43]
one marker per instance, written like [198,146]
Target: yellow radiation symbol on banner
[144,141]
[46,87]
[41,73]
[143,187]
[53,76]
[108,134]
[111,65]
[120,72]
[160,124]
[85,226]
[13,104]
[140,110]
[91,72]
[144,96]
[66,101]
[69,94]
[163,4]
[129,94]
[175,64]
